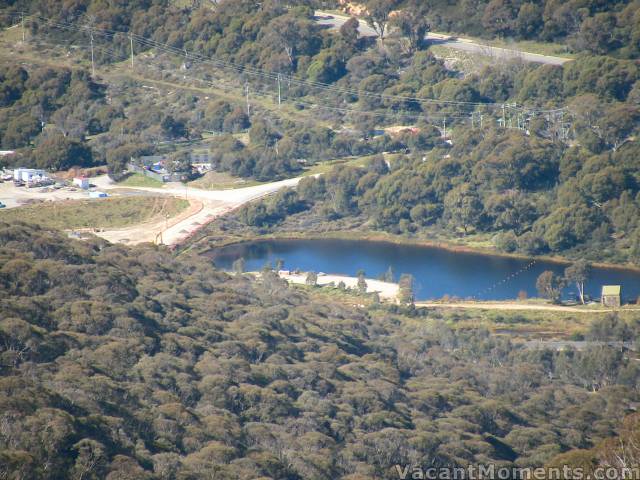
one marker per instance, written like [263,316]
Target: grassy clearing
[139,180]
[520,325]
[529,46]
[226,181]
[114,212]
[221,181]
[327,166]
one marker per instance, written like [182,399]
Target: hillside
[512,156]
[144,363]
[128,363]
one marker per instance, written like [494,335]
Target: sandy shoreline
[386,290]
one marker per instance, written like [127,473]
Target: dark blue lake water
[437,271]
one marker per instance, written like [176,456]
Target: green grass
[114,212]
[139,180]
[327,166]
[222,181]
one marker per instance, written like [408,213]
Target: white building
[29,175]
[82,182]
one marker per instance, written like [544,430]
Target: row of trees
[550,285]
[592,26]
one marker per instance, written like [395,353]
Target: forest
[120,362]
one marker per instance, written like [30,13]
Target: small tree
[412,23]
[378,15]
[342,285]
[312,279]
[388,276]
[349,31]
[362,283]
[238,266]
[279,264]
[578,273]
[406,293]
[550,285]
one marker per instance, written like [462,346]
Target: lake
[437,271]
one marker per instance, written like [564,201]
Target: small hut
[611,295]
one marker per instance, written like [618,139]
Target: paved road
[463,44]
[230,196]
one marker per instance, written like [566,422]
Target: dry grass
[115,212]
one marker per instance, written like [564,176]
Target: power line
[265,74]
[110,36]
[114,54]
[506,279]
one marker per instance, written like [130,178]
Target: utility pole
[93,65]
[504,122]
[444,128]
[131,44]
[246,90]
[279,92]
[22,23]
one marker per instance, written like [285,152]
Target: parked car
[2,205]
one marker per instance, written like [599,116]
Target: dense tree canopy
[121,362]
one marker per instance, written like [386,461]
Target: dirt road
[211,204]
[517,306]
[205,206]
[152,230]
